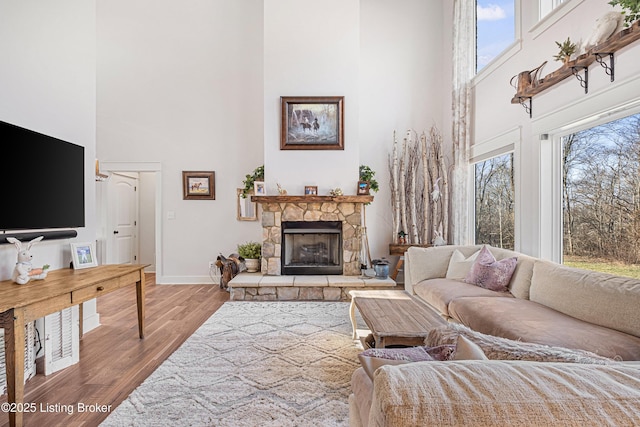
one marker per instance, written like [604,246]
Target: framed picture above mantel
[312,123]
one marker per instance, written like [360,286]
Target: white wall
[182,85]
[198,88]
[311,50]
[405,83]
[48,84]
[560,105]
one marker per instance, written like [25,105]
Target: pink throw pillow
[490,274]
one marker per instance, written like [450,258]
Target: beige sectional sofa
[547,304]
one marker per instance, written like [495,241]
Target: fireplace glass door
[311,247]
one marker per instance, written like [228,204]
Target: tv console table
[21,304]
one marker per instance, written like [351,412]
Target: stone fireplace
[320,232]
[343,213]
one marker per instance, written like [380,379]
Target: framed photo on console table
[312,123]
[83,255]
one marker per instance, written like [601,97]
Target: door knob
[115,231]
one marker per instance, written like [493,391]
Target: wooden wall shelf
[601,53]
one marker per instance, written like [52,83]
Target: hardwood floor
[113,360]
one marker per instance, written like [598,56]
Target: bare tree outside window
[601,197]
[494,196]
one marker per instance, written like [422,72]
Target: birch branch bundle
[419,188]
[402,181]
[395,199]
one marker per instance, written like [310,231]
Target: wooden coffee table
[394,317]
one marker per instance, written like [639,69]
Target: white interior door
[122,219]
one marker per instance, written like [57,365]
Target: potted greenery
[567,48]
[631,10]
[367,174]
[251,252]
[257,175]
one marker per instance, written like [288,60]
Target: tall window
[494,188]
[546,6]
[495,29]
[601,197]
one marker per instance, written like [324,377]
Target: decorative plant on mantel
[419,189]
[631,10]
[258,175]
[367,174]
[567,48]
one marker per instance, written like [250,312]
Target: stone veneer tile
[310,281]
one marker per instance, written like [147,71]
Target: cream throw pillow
[468,350]
[459,266]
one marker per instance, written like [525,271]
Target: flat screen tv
[42,182]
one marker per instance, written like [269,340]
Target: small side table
[397,249]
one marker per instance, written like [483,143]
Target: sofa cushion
[371,359]
[529,321]
[362,387]
[459,265]
[489,273]
[600,298]
[498,348]
[468,350]
[475,393]
[440,292]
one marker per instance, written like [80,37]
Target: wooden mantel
[312,199]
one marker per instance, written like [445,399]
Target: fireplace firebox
[311,247]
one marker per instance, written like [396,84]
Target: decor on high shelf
[420,190]
[310,190]
[251,252]
[607,25]
[259,188]
[257,175]
[281,191]
[336,192]
[198,185]
[567,48]
[525,79]
[24,271]
[83,255]
[312,123]
[631,10]
[246,209]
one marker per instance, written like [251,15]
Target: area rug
[253,364]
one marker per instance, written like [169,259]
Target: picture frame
[246,209]
[259,189]
[312,123]
[198,185]
[310,190]
[83,255]
[363,188]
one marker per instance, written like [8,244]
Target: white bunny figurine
[24,271]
